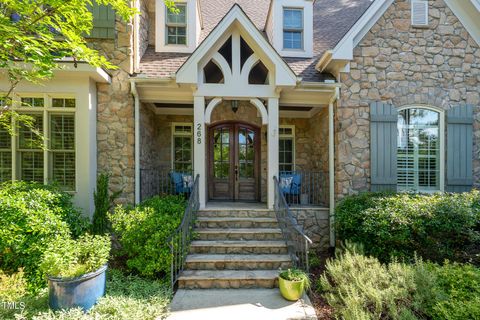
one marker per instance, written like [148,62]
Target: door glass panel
[221,153]
[246,153]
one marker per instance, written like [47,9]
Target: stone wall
[144,25]
[315,223]
[115,114]
[438,66]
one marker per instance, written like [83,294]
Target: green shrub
[68,258]
[33,216]
[360,287]
[460,287]
[103,204]
[437,227]
[144,230]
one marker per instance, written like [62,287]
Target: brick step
[206,279]
[239,234]
[234,222]
[238,247]
[238,262]
[238,213]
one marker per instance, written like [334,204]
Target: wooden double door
[234,161]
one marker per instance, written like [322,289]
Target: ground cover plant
[128,297]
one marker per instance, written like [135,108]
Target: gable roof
[331,21]
[188,72]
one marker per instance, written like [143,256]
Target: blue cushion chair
[294,187]
[181,187]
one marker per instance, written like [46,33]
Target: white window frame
[46,111]
[289,136]
[302,30]
[181,134]
[441,137]
[170,24]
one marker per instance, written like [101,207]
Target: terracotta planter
[291,290]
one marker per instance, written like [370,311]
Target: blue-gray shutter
[459,149]
[383,146]
[103,22]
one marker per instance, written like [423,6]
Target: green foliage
[68,258]
[460,287]
[437,227]
[360,287]
[127,297]
[12,287]
[296,275]
[32,217]
[144,230]
[103,204]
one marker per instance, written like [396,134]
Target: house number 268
[199,133]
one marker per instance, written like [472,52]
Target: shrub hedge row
[435,226]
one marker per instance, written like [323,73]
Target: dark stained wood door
[234,161]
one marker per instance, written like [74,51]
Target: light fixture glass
[234,105]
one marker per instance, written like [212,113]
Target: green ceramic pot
[291,290]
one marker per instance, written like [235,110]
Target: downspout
[331,166]
[137,141]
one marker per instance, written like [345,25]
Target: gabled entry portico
[235,65]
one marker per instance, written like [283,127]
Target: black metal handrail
[181,238]
[297,241]
[308,188]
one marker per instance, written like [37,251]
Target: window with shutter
[419,13]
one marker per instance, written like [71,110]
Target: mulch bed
[323,310]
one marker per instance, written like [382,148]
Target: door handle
[236,173]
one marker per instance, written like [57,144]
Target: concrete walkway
[236,304]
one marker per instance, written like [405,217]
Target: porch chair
[290,184]
[183,182]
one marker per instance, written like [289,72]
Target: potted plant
[293,283]
[76,271]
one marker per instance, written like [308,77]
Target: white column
[199,150]
[331,172]
[273,120]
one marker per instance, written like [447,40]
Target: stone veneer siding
[438,66]
[315,222]
[115,115]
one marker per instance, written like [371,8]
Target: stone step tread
[236,209]
[191,258]
[238,230]
[228,275]
[238,243]
[221,219]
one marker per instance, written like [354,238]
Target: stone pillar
[199,150]
[273,120]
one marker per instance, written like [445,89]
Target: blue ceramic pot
[82,292]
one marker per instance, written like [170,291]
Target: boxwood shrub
[436,226]
[32,216]
[143,232]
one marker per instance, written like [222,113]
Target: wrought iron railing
[179,241]
[307,187]
[158,181]
[298,243]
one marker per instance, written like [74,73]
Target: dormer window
[293,28]
[176,26]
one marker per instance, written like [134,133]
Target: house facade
[351,96]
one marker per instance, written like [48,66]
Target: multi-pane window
[286,148]
[32,158]
[62,149]
[176,25]
[182,147]
[292,28]
[418,153]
